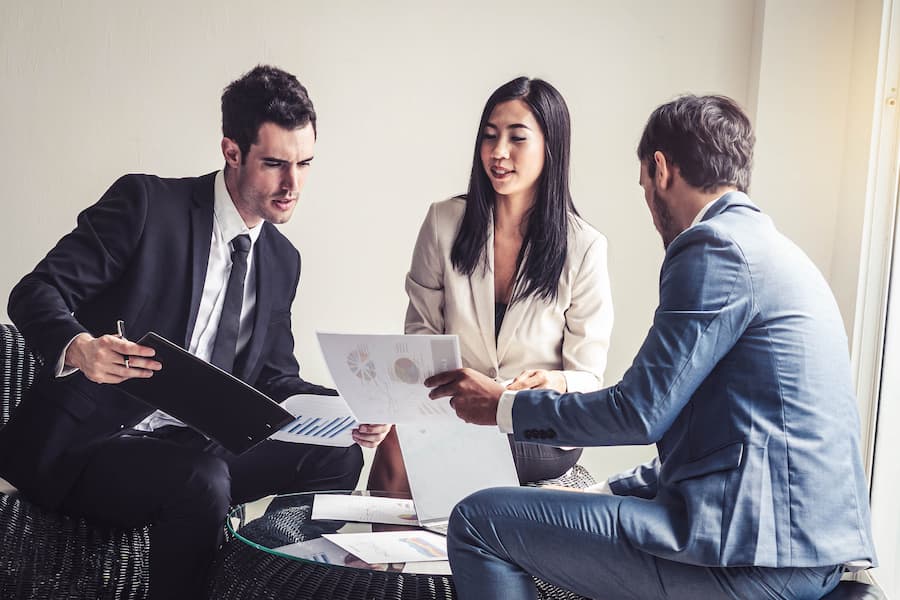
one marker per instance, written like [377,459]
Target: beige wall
[91,90]
[813,119]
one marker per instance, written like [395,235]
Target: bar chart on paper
[319,420]
[319,427]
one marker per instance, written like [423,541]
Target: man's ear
[232,152]
[665,171]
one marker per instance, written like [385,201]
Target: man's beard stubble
[664,219]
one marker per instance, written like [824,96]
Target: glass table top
[283,526]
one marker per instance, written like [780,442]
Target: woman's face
[512,150]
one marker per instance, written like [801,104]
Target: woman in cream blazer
[513,270]
[569,334]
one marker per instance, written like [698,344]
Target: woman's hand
[539,379]
[370,434]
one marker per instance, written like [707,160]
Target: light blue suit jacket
[744,385]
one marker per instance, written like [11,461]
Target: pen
[120,329]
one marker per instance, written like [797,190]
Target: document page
[318,550]
[381,376]
[392,546]
[319,420]
[364,509]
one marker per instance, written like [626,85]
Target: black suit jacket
[139,254]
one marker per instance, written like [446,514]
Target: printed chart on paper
[381,376]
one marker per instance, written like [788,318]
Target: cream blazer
[570,333]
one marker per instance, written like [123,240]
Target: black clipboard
[203,396]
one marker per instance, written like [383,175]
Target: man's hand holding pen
[110,358]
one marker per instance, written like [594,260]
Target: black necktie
[227,335]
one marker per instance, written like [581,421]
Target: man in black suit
[198,261]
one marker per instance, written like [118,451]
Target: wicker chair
[47,556]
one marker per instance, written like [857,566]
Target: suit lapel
[201,238]
[250,355]
[482,284]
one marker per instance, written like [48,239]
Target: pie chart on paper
[406,370]
[361,365]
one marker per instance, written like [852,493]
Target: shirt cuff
[61,369]
[504,411]
[581,381]
[600,488]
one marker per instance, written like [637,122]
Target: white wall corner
[756,46]
[804,50]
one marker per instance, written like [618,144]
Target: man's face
[269,178]
[659,209]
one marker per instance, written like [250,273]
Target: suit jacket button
[551,433]
[492,372]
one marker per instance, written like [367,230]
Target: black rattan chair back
[48,556]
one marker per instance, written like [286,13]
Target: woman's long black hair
[546,238]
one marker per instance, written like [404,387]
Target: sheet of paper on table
[319,550]
[364,509]
[319,420]
[381,376]
[392,546]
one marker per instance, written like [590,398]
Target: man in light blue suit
[743,383]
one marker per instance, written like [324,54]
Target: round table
[268,554]
[263,558]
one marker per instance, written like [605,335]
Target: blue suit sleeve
[639,481]
[706,303]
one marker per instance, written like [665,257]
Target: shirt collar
[703,211]
[227,216]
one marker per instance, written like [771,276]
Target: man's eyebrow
[284,160]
